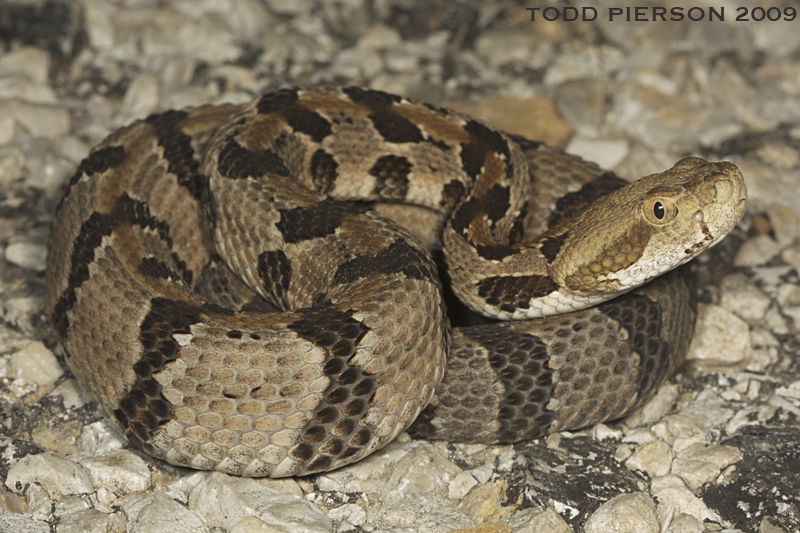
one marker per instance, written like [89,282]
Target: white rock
[670,481]
[99,438]
[721,339]
[372,473]
[349,513]
[501,47]
[27,90]
[35,364]
[86,521]
[757,251]
[27,255]
[623,452]
[22,311]
[655,409]
[73,148]
[398,60]
[99,24]
[639,436]
[251,524]
[155,512]
[34,63]
[484,472]
[12,160]
[8,131]
[165,32]
[781,402]
[626,513]
[423,471]
[509,461]
[380,37]
[106,500]
[607,153]
[741,296]
[655,458]
[20,523]
[535,520]
[246,19]
[424,512]
[364,63]
[582,63]
[186,484]
[681,431]
[685,523]
[708,409]
[40,505]
[719,455]
[461,485]
[59,477]
[765,351]
[224,500]
[777,323]
[673,501]
[40,120]
[791,255]
[326,484]
[72,394]
[785,222]
[695,473]
[695,422]
[120,470]
[10,502]
[770,278]
[47,167]
[792,390]
[286,485]
[750,416]
[141,97]
[185,96]
[603,432]
[290,7]
[71,504]
[788,295]
[235,77]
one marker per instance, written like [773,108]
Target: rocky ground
[718,449]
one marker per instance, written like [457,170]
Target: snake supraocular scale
[331,337]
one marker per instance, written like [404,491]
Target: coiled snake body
[228,307]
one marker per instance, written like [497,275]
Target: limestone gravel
[716,449]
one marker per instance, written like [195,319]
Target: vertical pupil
[658,210]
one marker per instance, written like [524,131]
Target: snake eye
[659,211]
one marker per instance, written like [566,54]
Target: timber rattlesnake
[346,339]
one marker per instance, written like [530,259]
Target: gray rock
[59,477]
[222,501]
[155,512]
[626,513]
[121,471]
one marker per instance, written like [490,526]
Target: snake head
[651,226]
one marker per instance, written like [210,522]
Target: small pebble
[35,364]
[626,513]
[721,340]
[59,477]
[26,255]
